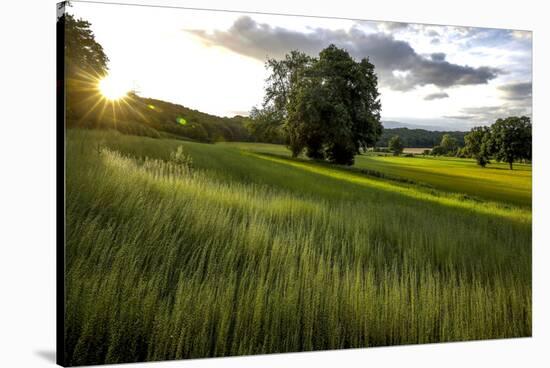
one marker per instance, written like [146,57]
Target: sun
[112,88]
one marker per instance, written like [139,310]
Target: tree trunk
[510,163]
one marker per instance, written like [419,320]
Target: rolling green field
[494,182]
[247,251]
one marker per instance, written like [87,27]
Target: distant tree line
[418,138]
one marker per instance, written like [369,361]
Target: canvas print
[242,183]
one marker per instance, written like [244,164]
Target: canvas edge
[60,184]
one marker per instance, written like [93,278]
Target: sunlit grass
[494,182]
[246,253]
[418,193]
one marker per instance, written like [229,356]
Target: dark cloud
[436,96]
[433,33]
[259,40]
[435,41]
[517,91]
[438,56]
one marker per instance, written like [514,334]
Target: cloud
[489,114]
[522,35]
[393,26]
[458,117]
[436,96]
[438,56]
[260,40]
[517,91]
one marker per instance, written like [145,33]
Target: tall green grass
[242,255]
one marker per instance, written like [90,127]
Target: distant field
[494,182]
[415,150]
[248,251]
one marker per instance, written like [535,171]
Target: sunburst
[112,88]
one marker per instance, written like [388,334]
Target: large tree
[511,139]
[329,105]
[478,144]
[83,55]
[85,64]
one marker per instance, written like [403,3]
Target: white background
[27,183]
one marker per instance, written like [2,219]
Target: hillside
[194,124]
[153,118]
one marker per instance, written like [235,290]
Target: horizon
[430,77]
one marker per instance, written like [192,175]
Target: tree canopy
[82,53]
[511,139]
[329,106]
[507,140]
[478,144]
[264,125]
[449,144]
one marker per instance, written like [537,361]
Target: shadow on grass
[408,188]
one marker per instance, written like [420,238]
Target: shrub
[178,156]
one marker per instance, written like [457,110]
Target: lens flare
[113,89]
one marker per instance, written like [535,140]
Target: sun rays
[112,88]
[103,99]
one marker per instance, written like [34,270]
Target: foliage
[448,144]
[418,137]
[328,105]
[511,139]
[181,158]
[395,145]
[200,126]
[438,151]
[264,125]
[82,53]
[284,75]
[478,144]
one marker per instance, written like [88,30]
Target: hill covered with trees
[418,137]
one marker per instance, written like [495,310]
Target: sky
[429,76]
